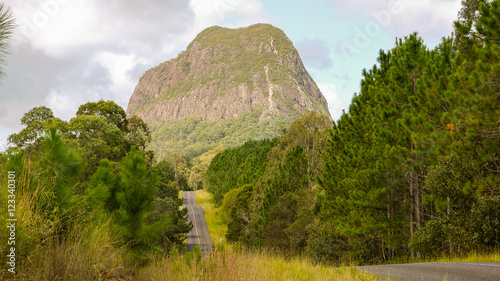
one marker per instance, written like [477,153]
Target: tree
[236,167]
[138,132]
[181,165]
[37,121]
[464,181]
[59,168]
[465,25]
[168,203]
[200,166]
[7,25]
[103,186]
[96,139]
[138,185]
[113,113]
[378,153]
[37,114]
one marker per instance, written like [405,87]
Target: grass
[237,264]
[471,257]
[229,262]
[216,227]
[492,256]
[86,251]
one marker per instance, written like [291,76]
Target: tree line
[411,170]
[96,165]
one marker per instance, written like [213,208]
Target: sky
[65,53]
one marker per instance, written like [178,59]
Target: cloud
[66,53]
[431,18]
[315,53]
[62,27]
[33,78]
[336,104]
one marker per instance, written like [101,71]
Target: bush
[485,218]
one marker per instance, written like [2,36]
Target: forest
[411,170]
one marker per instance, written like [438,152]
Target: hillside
[228,86]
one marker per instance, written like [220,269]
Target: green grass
[493,256]
[216,227]
[471,257]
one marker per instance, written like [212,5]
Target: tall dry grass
[86,250]
[240,264]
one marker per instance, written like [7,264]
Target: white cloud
[336,104]
[64,27]
[119,66]
[432,19]
[66,53]
[210,13]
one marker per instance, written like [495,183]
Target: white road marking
[194,219]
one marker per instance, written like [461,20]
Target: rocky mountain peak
[224,73]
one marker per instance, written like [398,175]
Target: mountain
[228,86]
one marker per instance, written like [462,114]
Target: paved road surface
[199,234]
[452,271]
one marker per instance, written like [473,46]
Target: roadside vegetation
[410,173]
[215,222]
[232,262]
[238,264]
[89,199]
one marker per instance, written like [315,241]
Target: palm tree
[6,28]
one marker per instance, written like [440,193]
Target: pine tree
[59,169]
[103,187]
[138,185]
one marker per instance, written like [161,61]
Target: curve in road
[450,271]
[199,235]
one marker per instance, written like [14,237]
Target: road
[199,234]
[451,271]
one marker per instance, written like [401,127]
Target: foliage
[37,121]
[138,132]
[75,186]
[267,187]
[137,184]
[96,139]
[236,167]
[114,114]
[194,136]
[7,25]
[200,166]
[407,169]
[103,186]
[180,165]
[58,172]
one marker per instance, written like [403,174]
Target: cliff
[226,74]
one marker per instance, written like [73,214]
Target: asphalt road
[452,271]
[199,234]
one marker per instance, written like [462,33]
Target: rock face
[224,73]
